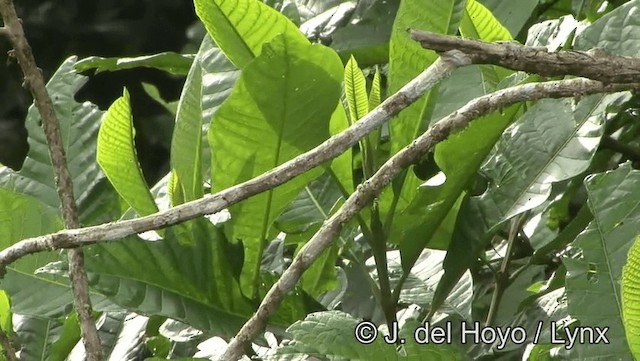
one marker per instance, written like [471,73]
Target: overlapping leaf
[614,200]
[256,130]
[241,27]
[331,334]
[117,156]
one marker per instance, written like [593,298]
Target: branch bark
[328,150]
[368,190]
[593,64]
[34,81]
[7,349]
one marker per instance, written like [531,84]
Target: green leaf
[121,334]
[375,95]
[37,335]
[218,78]
[342,165]
[479,23]
[459,158]
[190,283]
[312,206]
[118,159]
[622,20]
[79,124]
[23,217]
[301,219]
[355,89]
[69,337]
[331,334]
[186,146]
[256,130]
[5,312]
[614,200]
[421,283]
[170,62]
[631,298]
[553,141]
[241,27]
[407,58]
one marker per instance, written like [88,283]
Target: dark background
[57,29]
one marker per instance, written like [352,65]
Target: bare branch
[328,150]
[593,64]
[34,81]
[368,190]
[7,349]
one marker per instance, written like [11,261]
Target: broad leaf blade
[79,123]
[117,157]
[241,27]
[22,217]
[614,200]
[256,130]
[407,58]
[331,334]
[186,146]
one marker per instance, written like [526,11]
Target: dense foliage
[522,222]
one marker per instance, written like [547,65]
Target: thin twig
[368,190]
[210,204]
[34,81]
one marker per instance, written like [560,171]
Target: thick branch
[368,190]
[34,81]
[328,150]
[593,64]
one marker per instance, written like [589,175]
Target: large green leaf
[22,217]
[554,141]
[79,124]
[594,275]
[186,146]
[241,27]
[407,58]
[631,298]
[190,283]
[479,23]
[37,336]
[194,282]
[331,334]
[117,156]
[607,32]
[280,108]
